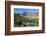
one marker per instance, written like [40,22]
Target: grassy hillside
[20,21]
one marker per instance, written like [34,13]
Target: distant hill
[30,14]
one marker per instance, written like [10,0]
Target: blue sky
[21,10]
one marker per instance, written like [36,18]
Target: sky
[21,10]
